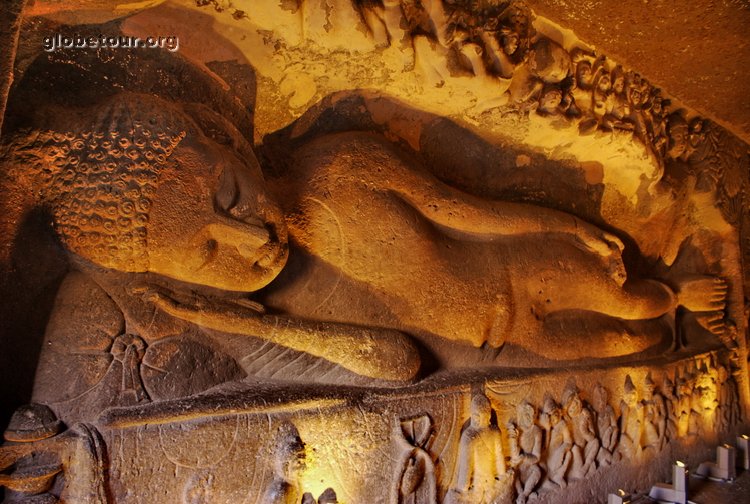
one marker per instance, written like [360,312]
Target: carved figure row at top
[499,39]
[569,441]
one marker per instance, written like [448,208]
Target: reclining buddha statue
[360,260]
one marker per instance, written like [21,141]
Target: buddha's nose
[246,237]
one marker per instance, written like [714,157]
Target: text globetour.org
[59,41]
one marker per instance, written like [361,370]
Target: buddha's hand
[201,310]
[598,240]
[512,430]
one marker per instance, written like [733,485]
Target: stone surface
[10,13]
[702,55]
[476,263]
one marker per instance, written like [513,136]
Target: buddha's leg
[594,290]
[644,299]
[589,285]
[634,300]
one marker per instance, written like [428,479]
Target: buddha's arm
[484,219]
[373,352]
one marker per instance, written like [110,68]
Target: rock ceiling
[699,54]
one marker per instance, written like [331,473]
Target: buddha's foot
[714,322]
[703,293]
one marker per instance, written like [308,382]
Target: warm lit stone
[359,252]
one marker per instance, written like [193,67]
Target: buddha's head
[649,388]
[526,414]
[629,393]
[481,411]
[136,186]
[552,410]
[574,406]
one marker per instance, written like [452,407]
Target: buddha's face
[555,416]
[480,416]
[526,415]
[605,83]
[510,43]
[619,84]
[583,73]
[630,398]
[574,408]
[212,222]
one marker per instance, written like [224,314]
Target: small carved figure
[582,81]
[697,132]
[601,103]
[631,422]
[637,93]
[558,443]
[723,409]
[525,451]
[415,482]
[606,423]
[585,443]
[654,418]
[684,395]
[703,403]
[678,146]
[481,460]
[656,115]
[547,63]
[672,404]
[503,51]
[617,115]
[550,101]
[733,394]
[289,461]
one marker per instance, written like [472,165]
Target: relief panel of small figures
[499,39]
[548,448]
[505,450]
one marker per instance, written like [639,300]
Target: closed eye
[228,193]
